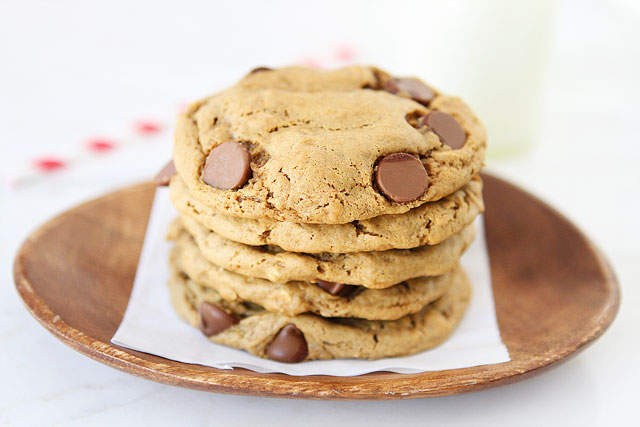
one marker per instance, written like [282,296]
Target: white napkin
[150,325]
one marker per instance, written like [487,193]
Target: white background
[72,70]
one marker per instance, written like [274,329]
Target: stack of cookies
[323,214]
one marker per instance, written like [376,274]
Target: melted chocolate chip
[213,319]
[259,70]
[288,346]
[401,177]
[228,166]
[411,87]
[334,288]
[164,176]
[447,128]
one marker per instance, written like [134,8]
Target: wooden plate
[554,295]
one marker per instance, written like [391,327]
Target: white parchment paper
[150,325]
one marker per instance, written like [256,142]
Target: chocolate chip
[401,177]
[336,288]
[259,69]
[288,346]
[213,319]
[164,176]
[228,166]
[414,88]
[447,128]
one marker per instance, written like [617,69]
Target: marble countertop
[67,79]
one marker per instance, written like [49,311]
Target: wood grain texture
[554,293]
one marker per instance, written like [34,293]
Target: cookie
[295,298]
[428,224]
[326,147]
[310,337]
[375,270]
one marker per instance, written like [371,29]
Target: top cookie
[326,147]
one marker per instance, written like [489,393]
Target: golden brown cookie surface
[294,298]
[428,224]
[315,139]
[375,270]
[257,329]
